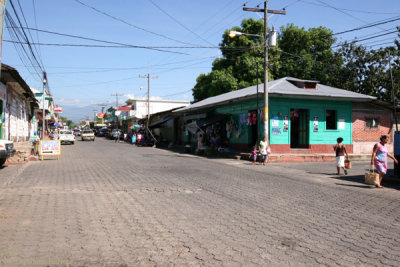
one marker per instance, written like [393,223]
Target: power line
[117,43]
[352,10]
[368,26]
[130,24]
[21,51]
[26,37]
[178,22]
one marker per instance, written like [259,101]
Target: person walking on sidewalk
[264,150]
[116,135]
[340,150]
[379,158]
[253,155]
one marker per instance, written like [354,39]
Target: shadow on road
[389,182]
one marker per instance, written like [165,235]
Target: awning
[212,119]
[194,126]
[159,122]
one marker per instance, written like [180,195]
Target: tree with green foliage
[301,53]
[368,71]
[306,54]
[68,122]
[238,66]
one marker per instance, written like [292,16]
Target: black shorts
[264,156]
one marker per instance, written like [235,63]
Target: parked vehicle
[87,135]
[77,132]
[66,137]
[6,150]
[102,132]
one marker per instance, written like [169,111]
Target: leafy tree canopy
[305,54]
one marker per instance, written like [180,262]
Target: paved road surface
[110,204]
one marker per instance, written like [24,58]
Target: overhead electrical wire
[130,24]
[178,22]
[22,52]
[122,44]
[352,10]
[29,32]
[26,37]
[368,26]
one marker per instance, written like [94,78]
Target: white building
[139,107]
[17,103]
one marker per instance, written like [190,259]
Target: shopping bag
[347,164]
[372,177]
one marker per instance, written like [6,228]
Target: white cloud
[69,101]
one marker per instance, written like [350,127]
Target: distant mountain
[77,113]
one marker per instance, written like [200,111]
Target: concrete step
[308,157]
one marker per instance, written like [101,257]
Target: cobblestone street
[111,204]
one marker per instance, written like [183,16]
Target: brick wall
[362,133]
[364,138]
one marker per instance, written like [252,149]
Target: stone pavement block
[104,204]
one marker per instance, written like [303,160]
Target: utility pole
[94,117]
[117,95]
[394,98]
[2,15]
[102,111]
[148,77]
[43,103]
[266,68]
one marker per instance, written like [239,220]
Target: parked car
[77,132]
[6,150]
[87,135]
[66,137]
[102,132]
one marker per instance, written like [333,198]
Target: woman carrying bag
[379,158]
[340,150]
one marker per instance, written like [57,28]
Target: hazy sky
[83,75]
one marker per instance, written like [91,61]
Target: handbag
[372,177]
[347,164]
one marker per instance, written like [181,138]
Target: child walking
[254,155]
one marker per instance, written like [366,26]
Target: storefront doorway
[299,128]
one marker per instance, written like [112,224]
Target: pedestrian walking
[133,139]
[340,151]
[264,148]
[116,135]
[253,155]
[139,138]
[379,158]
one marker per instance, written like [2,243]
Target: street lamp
[233,34]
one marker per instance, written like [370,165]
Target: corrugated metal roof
[281,87]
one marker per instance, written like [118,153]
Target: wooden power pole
[148,77]
[265,11]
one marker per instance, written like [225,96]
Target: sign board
[50,148]
[101,115]
[342,124]
[58,109]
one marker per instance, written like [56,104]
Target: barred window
[372,122]
[331,120]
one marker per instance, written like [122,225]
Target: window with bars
[331,122]
[372,123]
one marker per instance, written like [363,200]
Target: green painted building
[304,117]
